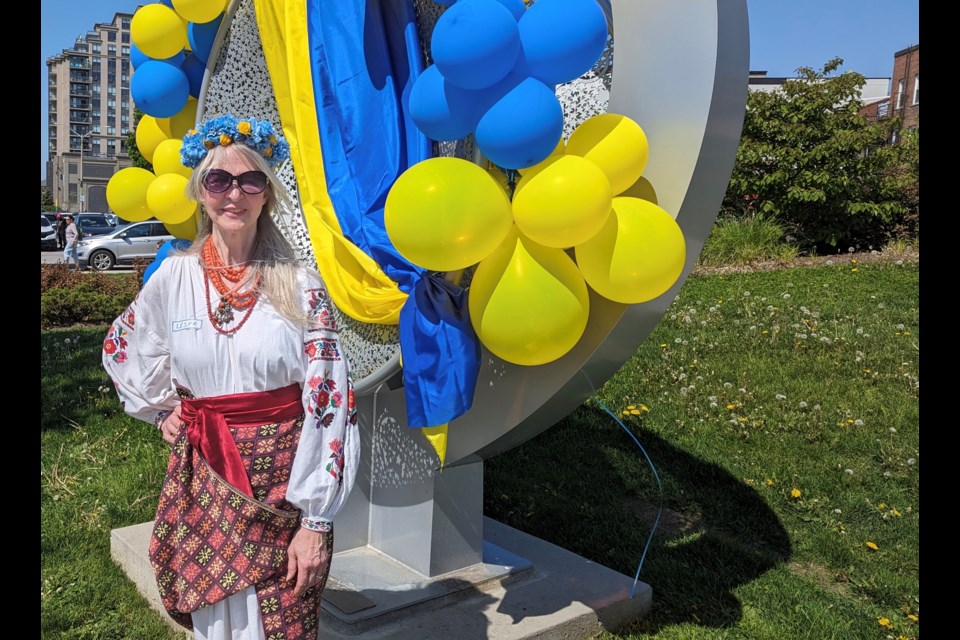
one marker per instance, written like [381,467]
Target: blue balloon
[201,36]
[475,43]
[168,3]
[562,39]
[176,60]
[515,7]
[159,89]
[521,128]
[162,253]
[194,69]
[443,111]
[137,57]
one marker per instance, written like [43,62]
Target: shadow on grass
[584,485]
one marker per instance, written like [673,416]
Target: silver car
[137,241]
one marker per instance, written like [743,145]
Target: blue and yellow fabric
[341,74]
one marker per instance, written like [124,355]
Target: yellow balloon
[528,303]
[445,214]
[186,230]
[166,159]
[149,134]
[564,203]
[558,151]
[637,256]
[158,31]
[167,199]
[642,189]
[177,125]
[199,10]
[127,193]
[616,144]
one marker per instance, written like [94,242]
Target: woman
[230,349]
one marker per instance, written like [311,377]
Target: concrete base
[524,588]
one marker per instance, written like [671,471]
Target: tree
[808,160]
[132,150]
[46,200]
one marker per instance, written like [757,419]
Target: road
[56,257]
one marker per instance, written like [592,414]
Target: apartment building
[90,112]
[903,97]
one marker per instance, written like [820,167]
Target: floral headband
[225,130]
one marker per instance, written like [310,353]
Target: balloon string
[656,521]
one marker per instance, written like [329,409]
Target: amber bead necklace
[219,275]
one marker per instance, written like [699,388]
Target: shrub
[68,297]
[738,241]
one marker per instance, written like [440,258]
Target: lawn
[781,412]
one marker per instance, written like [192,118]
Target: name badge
[182,325]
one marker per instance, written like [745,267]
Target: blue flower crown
[226,130]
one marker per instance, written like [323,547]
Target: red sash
[207,422]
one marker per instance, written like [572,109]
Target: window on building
[95,47]
[95,128]
[111,36]
[112,49]
[916,89]
[901,89]
[125,23]
[125,37]
[124,50]
[72,168]
[111,149]
[111,131]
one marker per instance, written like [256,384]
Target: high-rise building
[90,112]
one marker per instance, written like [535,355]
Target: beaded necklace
[219,274]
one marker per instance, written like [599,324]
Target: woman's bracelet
[161,416]
[321,526]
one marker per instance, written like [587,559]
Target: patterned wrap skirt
[223,523]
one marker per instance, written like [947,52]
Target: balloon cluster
[171,44]
[172,41]
[529,301]
[495,68]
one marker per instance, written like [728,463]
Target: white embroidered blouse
[165,339]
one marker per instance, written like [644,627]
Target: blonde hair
[274,260]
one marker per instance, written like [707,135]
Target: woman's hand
[308,559]
[171,425]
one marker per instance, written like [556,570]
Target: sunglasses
[218,181]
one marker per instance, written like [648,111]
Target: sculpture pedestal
[524,588]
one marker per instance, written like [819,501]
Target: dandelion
[893,430]
[795,493]
[768,482]
[746,294]
[727,385]
[872,545]
[730,405]
[663,346]
[849,472]
[913,617]
[644,407]
[829,263]
[884,622]
[678,340]
[631,407]
[858,423]
[712,398]
[780,396]
[882,505]
[786,296]
[713,405]
[911,461]
[66,341]
[802,405]
[626,412]
[838,512]
[854,270]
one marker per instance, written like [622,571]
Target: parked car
[94,224]
[51,216]
[140,240]
[48,234]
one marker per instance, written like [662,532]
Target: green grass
[755,385]
[752,385]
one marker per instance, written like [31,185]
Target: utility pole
[82,196]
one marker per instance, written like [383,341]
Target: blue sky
[784,35]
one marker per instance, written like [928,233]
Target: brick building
[903,100]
